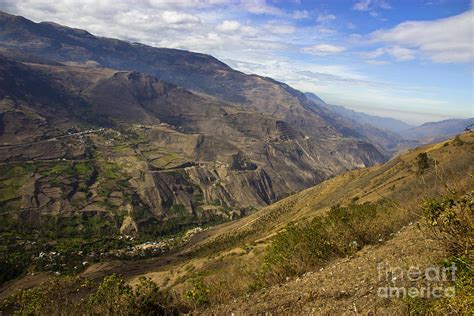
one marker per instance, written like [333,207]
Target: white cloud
[187,4]
[377,62]
[299,14]
[397,52]
[279,28]
[401,53]
[261,7]
[369,5]
[229,26]
[323,49]
[373,54]
[372,7]
[448,40]
[174,17]
[362,5]
[384,5]
[234,27]
[325,18]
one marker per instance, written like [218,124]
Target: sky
[408,59]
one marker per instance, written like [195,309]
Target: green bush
[54,297]
[422,163]
[115,297]
[457,141]
[148,299]
[298,249]
[111,295]
[450,221]
[79,296]
[199,294]
[309,245]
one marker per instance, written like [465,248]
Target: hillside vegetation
[307,252]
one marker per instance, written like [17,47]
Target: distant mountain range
[436,131]
[426,133]
[385,123]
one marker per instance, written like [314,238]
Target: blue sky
[411,60]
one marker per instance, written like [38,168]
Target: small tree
[199,295]
[149,300]
[457,141]
[111,296]
[422,162]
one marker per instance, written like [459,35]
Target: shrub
[422,163]
[309,245]
[148,299]
[111,295]
[79,296]
[457,141]
[54,297]
[451,222]
[460,304]
[297,249]
[199,294]
[115,297]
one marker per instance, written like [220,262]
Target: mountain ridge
[194,71]
[436,131]
[385,123]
